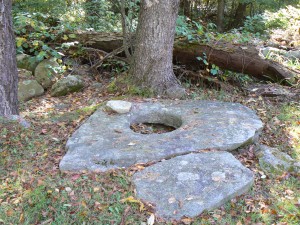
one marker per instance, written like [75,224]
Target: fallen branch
[106,56]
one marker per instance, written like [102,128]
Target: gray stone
[187,185]
[26,62]
[176,92]
[25,74]
[67,85]
[272,160]
[119,106]
[105,140]
[97,86]
[17,118]
[29,89]
[269,90]
[46,71]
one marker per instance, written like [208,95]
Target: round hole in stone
[155,123]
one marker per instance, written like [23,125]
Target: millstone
[187,185]
[105,140]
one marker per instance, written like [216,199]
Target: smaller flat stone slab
[119,106]
[187,185]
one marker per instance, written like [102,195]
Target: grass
[34,191]
[290,115]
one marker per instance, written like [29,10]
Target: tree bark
[241,59]
[220,15]
[8,65]
[187,8]
[152,65]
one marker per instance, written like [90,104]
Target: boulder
[67,85]
[273,161]
[106,141]
[46,71]
[26,62]
[187,185]
[28,89]
[119,106]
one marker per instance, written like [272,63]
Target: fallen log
[241,59]
[99,40]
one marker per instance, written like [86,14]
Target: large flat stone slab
[105,140]
[187,185]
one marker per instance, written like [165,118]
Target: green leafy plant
[183,28]
[254,24]
[240,78]
[212,69]
[35,36]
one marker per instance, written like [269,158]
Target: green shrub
[36,35]
[254,24]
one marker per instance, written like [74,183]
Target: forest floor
[34,191]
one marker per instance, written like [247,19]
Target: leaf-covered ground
[34,191]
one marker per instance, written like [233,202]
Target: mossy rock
[26,62]
[67,85]
[45,72]
[29,89]
[273,161]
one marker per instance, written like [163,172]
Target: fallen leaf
[9,212]
[40,182]
[83,203]
[187,221]
[21,219]
[44,131]
[239,223]
[75,177]
[131,199]
[151,219]
[96,189]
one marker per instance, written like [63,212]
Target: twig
[107,55]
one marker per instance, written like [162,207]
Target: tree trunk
[239,16]
[152,66]
[220,15]
[8,65]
